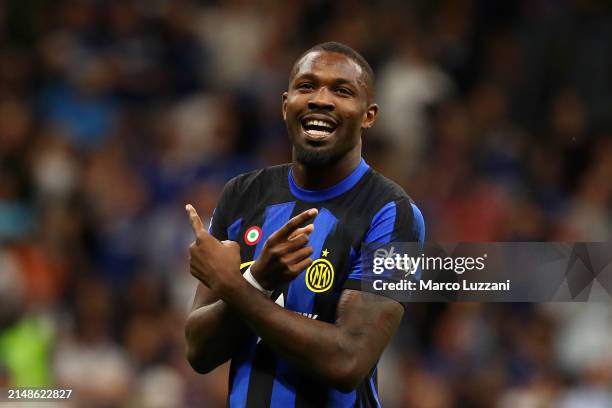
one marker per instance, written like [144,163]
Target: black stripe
[365,397]
[263,366]
[362,396]
[375,380]
[404,222]
[262,377]
[310,394]
[248,251]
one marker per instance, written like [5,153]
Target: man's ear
[370,116]
[285,95]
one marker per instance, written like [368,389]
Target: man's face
[326,108]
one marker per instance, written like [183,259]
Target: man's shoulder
[383,190]
[267,177]
[395,212]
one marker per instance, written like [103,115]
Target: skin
[226,306]
[330,85]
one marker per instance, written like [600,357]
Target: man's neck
[320,178]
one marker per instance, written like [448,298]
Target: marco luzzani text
[385,261]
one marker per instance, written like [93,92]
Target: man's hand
[285,253]
[216,264]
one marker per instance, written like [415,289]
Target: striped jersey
[363,208]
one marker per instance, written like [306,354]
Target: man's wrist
[248,275]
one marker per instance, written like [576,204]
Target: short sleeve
[397,221]
[219,221]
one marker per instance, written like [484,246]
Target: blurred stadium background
[496,117]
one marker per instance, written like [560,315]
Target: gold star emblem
[325,252]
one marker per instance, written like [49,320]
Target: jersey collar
[331,192]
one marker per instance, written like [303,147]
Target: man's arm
[340,354]
[212,332]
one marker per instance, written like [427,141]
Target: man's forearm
[323,349]
[212,334]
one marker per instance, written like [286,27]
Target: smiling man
[280,275]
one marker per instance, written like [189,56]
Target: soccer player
[298,325]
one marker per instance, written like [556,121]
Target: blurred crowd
[496,117]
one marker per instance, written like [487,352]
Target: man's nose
[321,99]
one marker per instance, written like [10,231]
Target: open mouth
[317,128]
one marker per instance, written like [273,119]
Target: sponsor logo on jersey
[252,235]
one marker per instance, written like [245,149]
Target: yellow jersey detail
[319,276]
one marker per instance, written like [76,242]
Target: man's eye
[305,85]
[344,91]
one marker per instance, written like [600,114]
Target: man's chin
[313,157]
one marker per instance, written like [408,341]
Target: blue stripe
[283,391]
[301,299]
[418,223]
[232,230]
[383,224]
[331,192]
[240,384]
[275,217]
[339,399]
[380,232]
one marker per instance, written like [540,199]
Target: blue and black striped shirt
[365,207]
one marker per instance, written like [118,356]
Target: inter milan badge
[252,235]
[320,275]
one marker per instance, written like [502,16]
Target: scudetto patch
[253,235]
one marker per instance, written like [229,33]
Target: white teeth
[320,123]
[318,132]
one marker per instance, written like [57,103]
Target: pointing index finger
[196,223]
[296,222]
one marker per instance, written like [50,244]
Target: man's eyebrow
[306,75]
[335,81]
[344,81]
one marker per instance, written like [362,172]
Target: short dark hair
[339,48]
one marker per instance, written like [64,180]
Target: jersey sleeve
[219,222]
[399,220]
